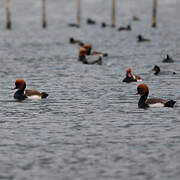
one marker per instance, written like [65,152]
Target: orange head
[128,70]
[20,84]
[88,47]
[142,89]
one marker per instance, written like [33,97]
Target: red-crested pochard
[22,94]
[131,77]
[143,91]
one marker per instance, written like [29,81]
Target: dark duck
[22,93]
[75,41]
[144,102]
[140,38]
[127,28]
[130,77]
[90,21]
[167,59]
[157,71]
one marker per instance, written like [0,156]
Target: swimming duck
[75,41]
[22,94]
[88,47]
[143,91]
[135,18]
[103,25]
[73,25]
[86,59]
[157,71]
[90,21]
[167,59]
[127,28]
[140,38]
[130,77]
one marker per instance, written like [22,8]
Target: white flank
[138,80]
[156,105]
[93,58]
[34,97]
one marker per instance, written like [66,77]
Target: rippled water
[90,126]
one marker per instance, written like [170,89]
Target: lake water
[90,127]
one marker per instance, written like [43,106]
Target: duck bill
[129,75]
[137,93]
[14,88]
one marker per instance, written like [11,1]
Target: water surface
[90,126]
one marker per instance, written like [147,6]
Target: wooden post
[79,13]
[154,22]
[113,13]
[44,22]
[8,15]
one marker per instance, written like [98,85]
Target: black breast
[129,79]
[20,95]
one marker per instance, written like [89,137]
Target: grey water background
[90,126]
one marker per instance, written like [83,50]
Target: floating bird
[140,38]
[127,28]
[22,94]
[85,59]
[75,41]
[157,71]
[73,25]
[130,77]
[143,91]
[90,21]
[103,25]
[135,18]
[167,59]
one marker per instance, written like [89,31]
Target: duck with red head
[143,91]
[131,77]
[22,94]
[87,59]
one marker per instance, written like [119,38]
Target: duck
[90,21]
[140,38]
[73,25]
[88,47]
[85,59]
[144,102]
[22,94]
[75,41]
[135,18]
[167,59]
[103,25]
[157,71]
[127,28]
[130,77]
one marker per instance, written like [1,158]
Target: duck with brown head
[22,94]
[143,91]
